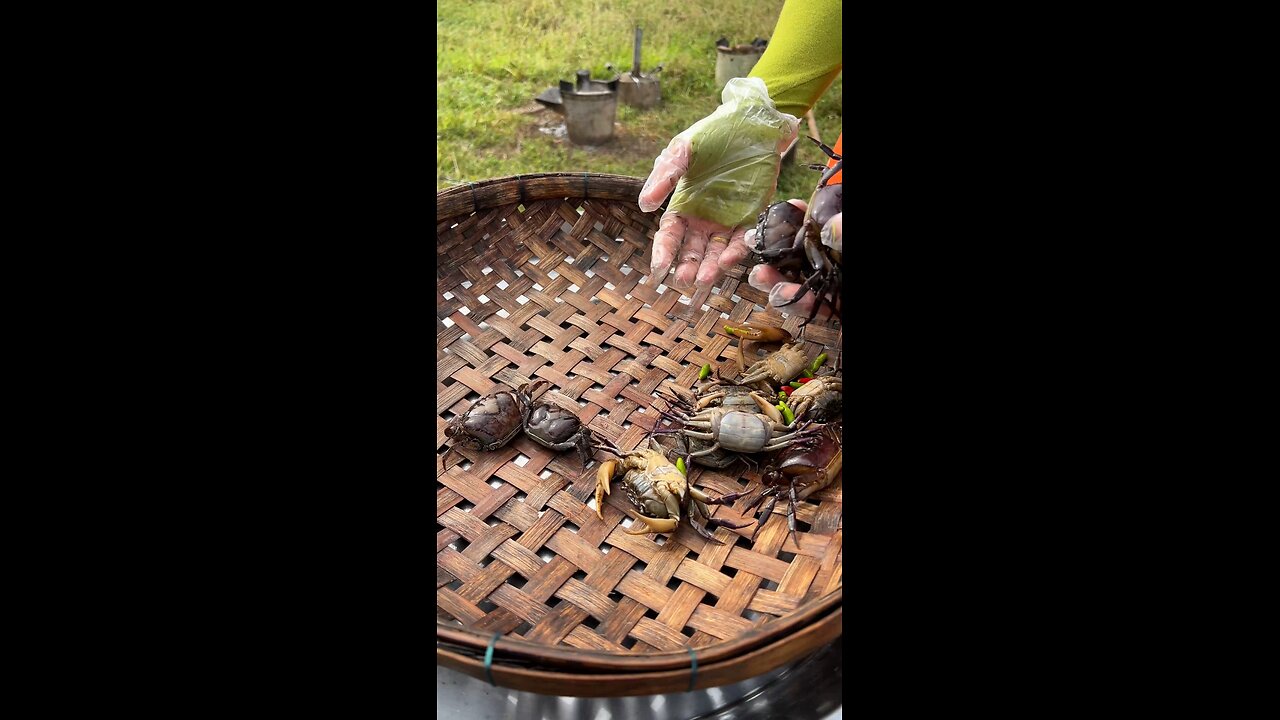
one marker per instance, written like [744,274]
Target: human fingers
[782,294]
[737,251]
[719,241]
[667,171]
[767,279]
[666,242]
[691,254]
[832,232]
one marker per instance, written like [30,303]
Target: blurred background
[494,57]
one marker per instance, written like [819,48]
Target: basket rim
[604,661]
[757,662]
[470,197]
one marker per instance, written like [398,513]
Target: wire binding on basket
[488,659]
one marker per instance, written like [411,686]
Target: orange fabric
[831,162]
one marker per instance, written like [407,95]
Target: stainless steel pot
[807,690]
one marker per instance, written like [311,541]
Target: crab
[491,422]
[782,366]
[661,493]
[720,394]
[819,399]
[556,428]
[734,430]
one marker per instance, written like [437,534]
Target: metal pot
[807,690]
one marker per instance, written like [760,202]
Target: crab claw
[751,335]
[603,477]
[646,525]
[759,334]
[768,409]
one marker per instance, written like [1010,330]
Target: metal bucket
[637,89]
[735,62]
[641,92]
[590,109]
[807,690]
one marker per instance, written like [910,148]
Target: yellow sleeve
[804,55]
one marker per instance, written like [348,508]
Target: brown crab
[659,490]
[780,367]
[819,400]
[491,422]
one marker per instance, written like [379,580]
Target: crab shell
[490,422]
[551,424]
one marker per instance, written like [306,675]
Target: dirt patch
[631,141]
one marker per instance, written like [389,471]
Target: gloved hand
[767,279]
[724,170]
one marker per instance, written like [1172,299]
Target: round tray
[547,276]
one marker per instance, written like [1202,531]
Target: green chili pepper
[817,363]
[706,371]
[808,373]
[680,466]
[782,395]
[788,417]
[795,385]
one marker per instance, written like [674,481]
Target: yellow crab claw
[603,477]
[645,525]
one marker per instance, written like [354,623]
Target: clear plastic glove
[724,170]
[767,279]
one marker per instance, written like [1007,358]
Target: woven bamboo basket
[547,276]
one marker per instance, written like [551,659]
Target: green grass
[493,57]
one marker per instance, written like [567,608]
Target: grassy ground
[493,57]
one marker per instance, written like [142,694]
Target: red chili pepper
[804,380]
[788,390]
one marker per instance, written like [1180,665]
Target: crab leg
[584,445]
[756,503]
[802,407]
[791,515]
[828,173]
[708,451]
[705,498]
[708,399]
[700,508]
[754,377]
[695,510]
[444,461]
[781,441]
[602,445]
[716,522]
[765,514]
[699,435]
[603,477]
